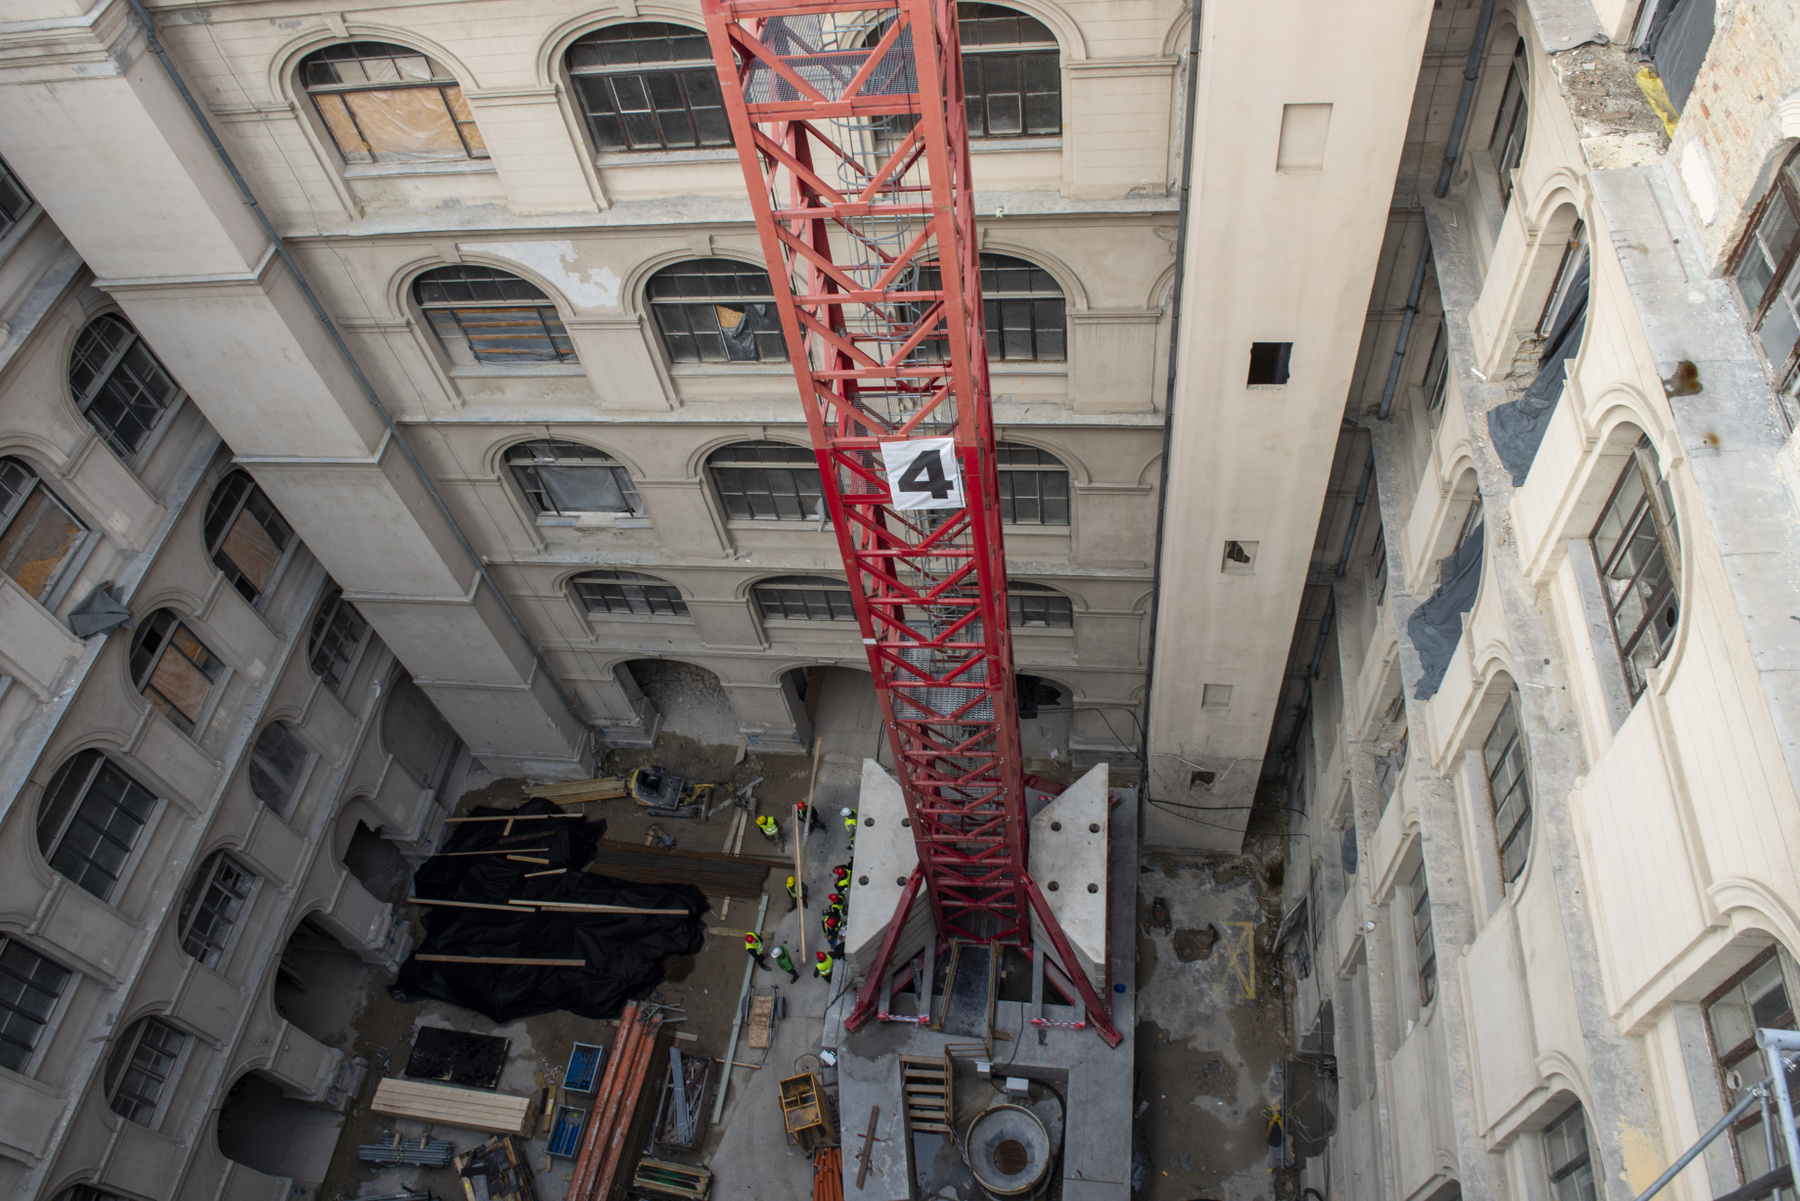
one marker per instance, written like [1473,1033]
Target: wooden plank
[501,959]
[453,1106]
[578,907]
[457,854]
[862,1168]
[633,849]
[529,859]
[515,817]
[460,904]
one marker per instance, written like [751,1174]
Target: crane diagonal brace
[849,121]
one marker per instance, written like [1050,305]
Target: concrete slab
[1068,860]
[885,857]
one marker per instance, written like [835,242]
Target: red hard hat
[822,957]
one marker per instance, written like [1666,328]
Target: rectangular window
[1507,143]
[337,634]
[91,818]
[1636,574]
[1032,497]
[768,482]
[1437,375]
[1039,607]
[627,592]
[1388,768]
[177,669]
[1767,279]
[1566,1154]
[29,988]
[214,908]
[15,201]
[1754,999]
[144,1076]
[805,604]
[37,533]
[1509,788]
[1424,946]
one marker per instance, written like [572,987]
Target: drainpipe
[343,350]
[1168,430]
[1406,327]
[1362,498]
[1471,72]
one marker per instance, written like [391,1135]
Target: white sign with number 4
[922,473]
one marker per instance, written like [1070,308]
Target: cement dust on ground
[1212,1035]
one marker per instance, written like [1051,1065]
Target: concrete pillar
[185,258]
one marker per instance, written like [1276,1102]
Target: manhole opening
[1011,1157]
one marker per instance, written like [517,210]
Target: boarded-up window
[173,669]
[482,315]
[37,533]
[388,104]
[245,535]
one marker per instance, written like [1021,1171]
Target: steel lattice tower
[849,123]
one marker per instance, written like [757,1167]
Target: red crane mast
[849,123]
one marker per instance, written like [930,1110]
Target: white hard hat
[846,812]
[781,950]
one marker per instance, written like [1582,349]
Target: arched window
[87,1192]
[648,85]
[628,592]
[482,315]
[245,535]
[767,481]
[717,311]
[30,986]
[275,765]
[142,1069]
[338,631]
[805,598]
[173,669]
[1767,275]
[1566,1156]
[89,820]
[213,907]
[1755,996]
[1034,486]
[15,201]
[563,478]
[1038,606]
[1509,788]
[1507,142]
[1012,73]
[1022,307]
[118,384]
[1517,426]
[38,533]
[1636,547]
[387,104]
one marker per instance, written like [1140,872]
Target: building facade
[1541,693]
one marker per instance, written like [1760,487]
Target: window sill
[490,371]
[643,619]
[592,521]
[461,166]
[1043,631]
[808,525]
[1026,367]
[678,370]
[978,145]
[844,624]
[654,158]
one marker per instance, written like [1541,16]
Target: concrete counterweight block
[885,857]
[1068,854]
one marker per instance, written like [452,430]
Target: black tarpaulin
[1679,38]
[1435,627]
[1517,427]
[623,952]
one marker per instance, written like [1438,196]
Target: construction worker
[822,967]
[770,827]
[753,948]
[793,894]
[835,903]
[832,923]
[840,877]
[849,816]
[785,962]
[805,815]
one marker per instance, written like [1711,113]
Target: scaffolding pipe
[1751,1096]
[1774,1043]
[1406,325]
[1471,72]
[737,1020]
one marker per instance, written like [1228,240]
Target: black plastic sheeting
[1435,627]
[1678,40]
[623,951]
[1517,427]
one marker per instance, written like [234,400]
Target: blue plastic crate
[584,1068]
[565,1136]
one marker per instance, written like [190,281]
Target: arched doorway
[267,1131]
[1046,718]
[377,864]
[321,985]
[690,699]
[416,734]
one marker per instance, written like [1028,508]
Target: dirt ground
[1212,1035]
[701,990]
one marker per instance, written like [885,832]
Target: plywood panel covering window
[173,669]
[38,533]
[648,85]
[118,384]
[245,535]
[90,819]
[384,103]
[484,315]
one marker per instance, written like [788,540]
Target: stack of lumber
[672,1179]
[828,1174]
[448,1105]
[715,873]
[577,792]
[618,1125]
